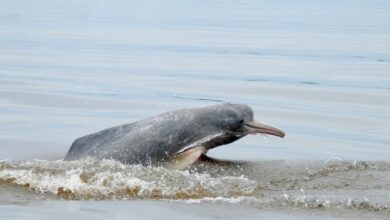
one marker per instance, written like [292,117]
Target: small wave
[284,201]
[330,185]
[107,179]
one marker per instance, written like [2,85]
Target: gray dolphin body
[161,138]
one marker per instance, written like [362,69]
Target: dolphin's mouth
[255,127]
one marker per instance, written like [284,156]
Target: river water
[320,70]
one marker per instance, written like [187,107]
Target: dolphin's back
[89,145]
[144,142]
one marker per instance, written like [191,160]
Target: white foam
[110,179]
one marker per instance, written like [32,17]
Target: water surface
[318,70]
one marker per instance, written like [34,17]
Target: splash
[331,185]
[107,179]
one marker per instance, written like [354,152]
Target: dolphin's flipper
[185,158]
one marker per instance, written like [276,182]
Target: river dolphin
[177,138]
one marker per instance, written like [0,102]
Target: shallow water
[271,187]
[318,70]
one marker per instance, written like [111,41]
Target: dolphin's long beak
[255,127]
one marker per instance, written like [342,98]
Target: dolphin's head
[238,119]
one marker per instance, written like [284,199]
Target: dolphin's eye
[241,121]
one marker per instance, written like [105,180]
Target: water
[318,70]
